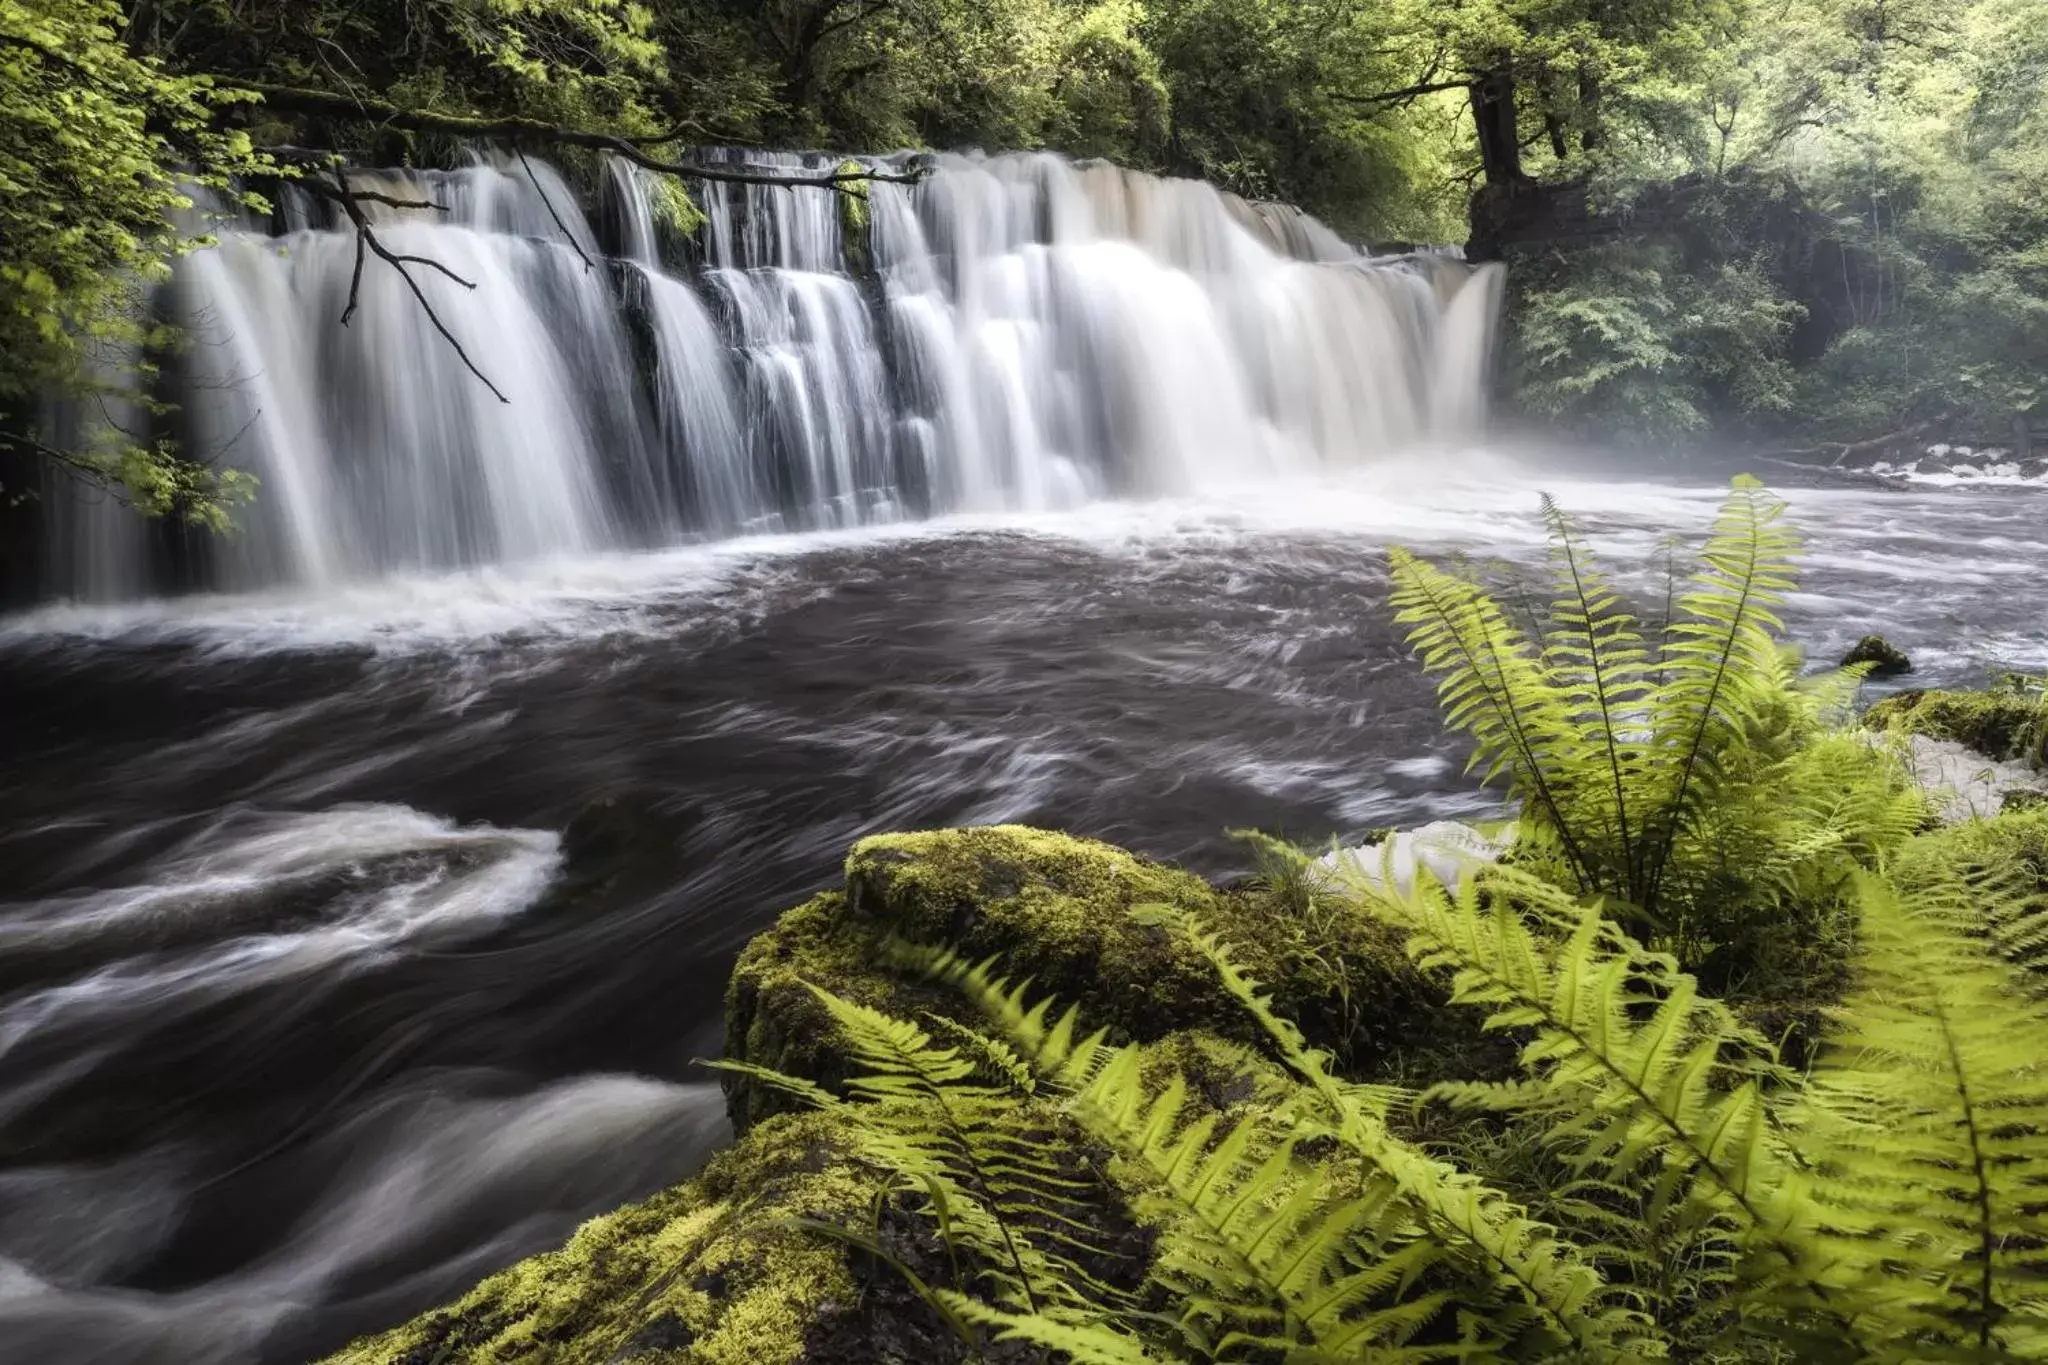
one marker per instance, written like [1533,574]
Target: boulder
[718,1270]
[1886,660]
[709,1272]
[1967,785]
[1057,909]
[1449,849]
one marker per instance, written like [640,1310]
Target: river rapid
[319,1000]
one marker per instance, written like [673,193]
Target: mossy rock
[1057,909]
[706,1273]
[2000,725]
[1886,659]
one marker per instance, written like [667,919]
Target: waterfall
[1013,332]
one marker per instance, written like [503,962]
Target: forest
[1754,223]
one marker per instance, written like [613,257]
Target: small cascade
[1015,332]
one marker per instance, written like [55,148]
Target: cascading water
[1015,332]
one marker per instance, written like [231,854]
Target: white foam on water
[450,879]
[1473,501]
[408,1178]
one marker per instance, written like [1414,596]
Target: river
[325,990]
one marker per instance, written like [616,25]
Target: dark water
[310,1014]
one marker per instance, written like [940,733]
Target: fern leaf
[1597,660]
[1932,1103]
[1084,1343]
[1720,660]
[1525,1256]
[1492,688]
[989,1172]
[1644,1079]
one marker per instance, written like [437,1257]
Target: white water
[1012,334]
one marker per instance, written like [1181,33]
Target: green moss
[772,1021]
[705,1273]
[1886,659]
[1056,909]
[2001,725]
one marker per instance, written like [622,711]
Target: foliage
[1886,1207]
[1676,768]
[105,158]
[1276,102]
[1631,342]
[1854,182]
[2007,722]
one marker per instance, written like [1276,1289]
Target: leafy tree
[104,159]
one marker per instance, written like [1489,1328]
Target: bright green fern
[1677,774]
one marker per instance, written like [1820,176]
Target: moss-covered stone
[705,1273]
[1056,909]
[1886,659]
[773,1020]
[2001,724]
[711,1272]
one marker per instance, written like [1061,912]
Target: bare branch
[1412,92]
[541,190]
[366,239]
[429,262]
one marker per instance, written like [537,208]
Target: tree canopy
[1759,217]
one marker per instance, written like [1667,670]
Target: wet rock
[716,1272]
[1449,849]
[1970,786]
[1886,660]
[623,825]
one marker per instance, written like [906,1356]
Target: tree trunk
[1493,114]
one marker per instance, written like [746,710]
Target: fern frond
[1720,659]
[1648,1082]
[979,1153]
[797,1087]
[1265,1253]
[1596,657]
[2004,865]
[1052,1046]
[1084,1343]
[1493,688]
[1524,1257]
[1932,1106]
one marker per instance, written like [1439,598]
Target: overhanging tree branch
[534,132]
[549,204]
[367,244]
[328,177]
[1412,92]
